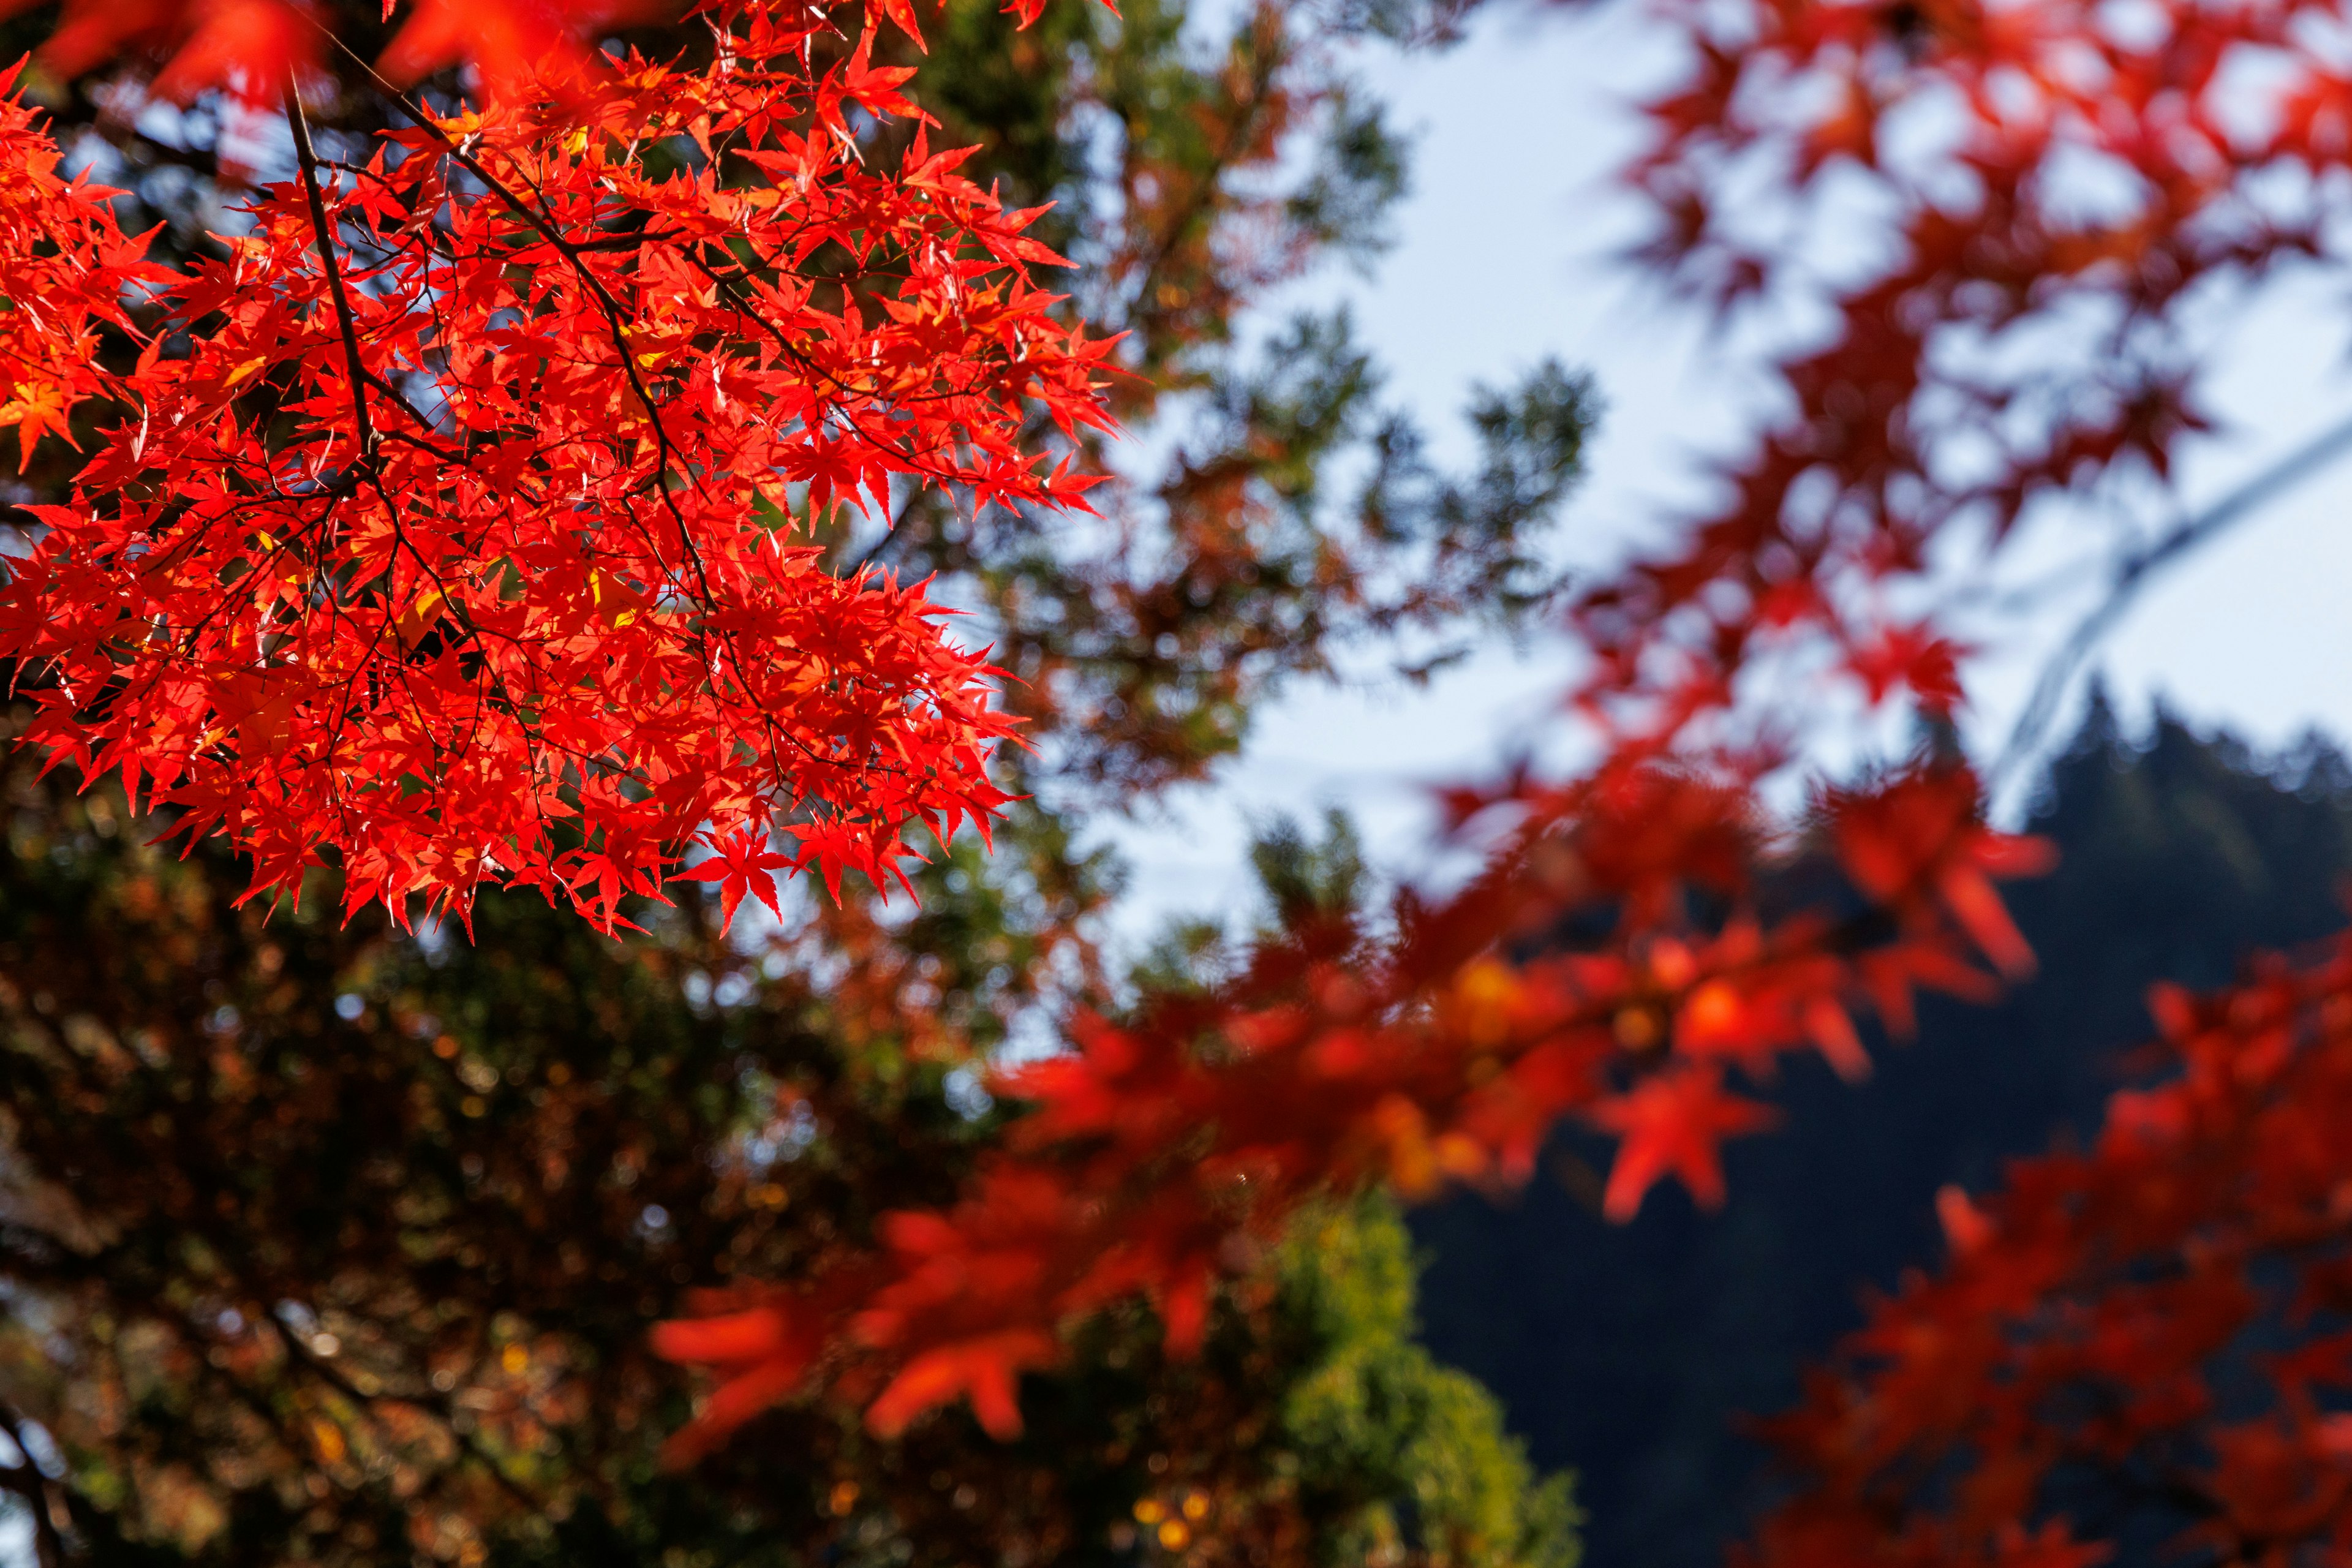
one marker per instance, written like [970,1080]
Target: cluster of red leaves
[65,269]
[450,523]
[2157,1328]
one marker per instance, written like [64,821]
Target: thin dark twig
[322,233]
[2134,571]
[298,1349]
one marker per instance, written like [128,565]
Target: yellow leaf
[615,600]
[329,1438]
[418,618]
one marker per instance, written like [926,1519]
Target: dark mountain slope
[1629,1353]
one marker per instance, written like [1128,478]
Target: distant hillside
[1629,1353]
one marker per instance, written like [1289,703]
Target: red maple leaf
[745,861]
[1673,1123]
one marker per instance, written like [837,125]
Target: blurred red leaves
[2142,1339]
[2157,1323]
[1618,964]
[1671,1125]
[1172,1145]
[251,46]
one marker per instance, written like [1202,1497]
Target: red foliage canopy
[449,524]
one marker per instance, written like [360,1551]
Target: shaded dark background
[1632,1353]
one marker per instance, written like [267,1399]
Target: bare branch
[323,234]
[2134,571]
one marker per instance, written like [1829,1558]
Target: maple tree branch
[1228,155]
[298,1349]
[614,315]
[322,233]
[574,253]
[2132,573]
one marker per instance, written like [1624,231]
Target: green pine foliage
[1374,1415]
